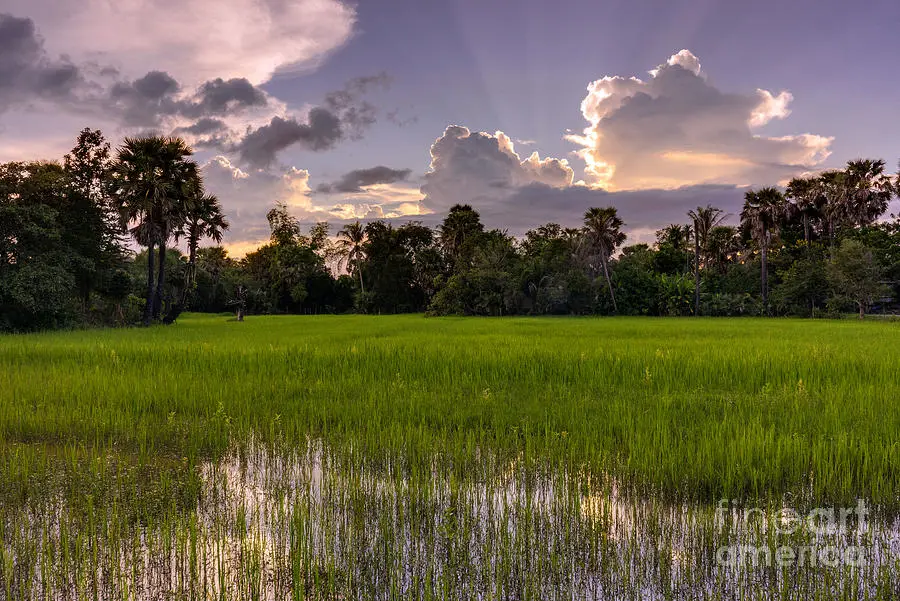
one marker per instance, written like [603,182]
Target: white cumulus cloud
[676,129]
[468,166]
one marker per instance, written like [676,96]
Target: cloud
[479,168]
[356,113]
[354,181]
[194,41]
[344,114]
[518,194]
[221,97]
[143,66]
[229,115]
[644,211]
[321,131]
[677,129]
[156,99]
[470,166]
[27,73]
[248,195]
[204,126]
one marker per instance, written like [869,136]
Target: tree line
[819,247]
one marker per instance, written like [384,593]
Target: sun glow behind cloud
[677,129]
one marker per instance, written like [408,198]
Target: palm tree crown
[763,212]
[350,246]
[603,235]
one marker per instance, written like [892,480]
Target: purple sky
[345,110]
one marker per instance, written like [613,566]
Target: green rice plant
[403,457]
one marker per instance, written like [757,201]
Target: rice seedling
[401,457]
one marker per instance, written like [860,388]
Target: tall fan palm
[603,235]
[204,219]
[350,246]
[762,213]
[867,190]
[153,176]
[808,199]
[831,186]
[722,245]
[705,219]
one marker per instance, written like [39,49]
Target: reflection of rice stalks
[270,523]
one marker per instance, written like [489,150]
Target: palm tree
[678,237]
[831,187]
[807,194]
[350,247]
[204,219]
[867,190]
[763,212]
[153,176]
[705,219]
[603,235]
[722,244]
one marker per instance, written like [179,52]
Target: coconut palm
[763,212]
[204,219]
[350,247]
[151,176]
[704,220]
[602,236]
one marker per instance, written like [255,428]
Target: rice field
[362,457]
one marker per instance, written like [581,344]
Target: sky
[531,111]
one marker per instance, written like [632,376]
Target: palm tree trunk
[696,270]
[148,306]
[765,277]
[612,295]
[191,271]
[160,280]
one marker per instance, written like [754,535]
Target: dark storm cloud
[343,114]
[26,72]
[354,181]
[321,131]
[145,101]
[220,97]
[356,114]
[207,125]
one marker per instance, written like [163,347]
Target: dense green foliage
[64,258]
[63,227]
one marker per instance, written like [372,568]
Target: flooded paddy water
[322,522]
